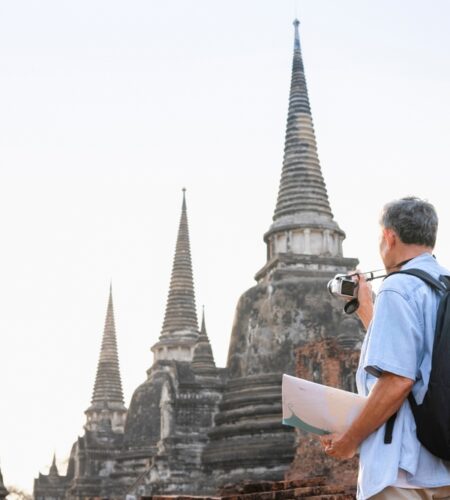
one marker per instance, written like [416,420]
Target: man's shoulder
[408,285]
[402,283]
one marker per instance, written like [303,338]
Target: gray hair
[414,220]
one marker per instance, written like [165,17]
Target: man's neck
[407,253]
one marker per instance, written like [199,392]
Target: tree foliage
[15,493]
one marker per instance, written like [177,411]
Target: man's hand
[365,298]
[385,398]
[338,446]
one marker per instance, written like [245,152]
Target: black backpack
[433,415]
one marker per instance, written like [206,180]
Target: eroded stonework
[272,321]
[188,403]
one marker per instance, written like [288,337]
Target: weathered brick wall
[326,362]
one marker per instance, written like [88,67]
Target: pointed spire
[53,468]
[181,315]
[203,327]
[203,359]
[108,384]
[303,225]
[302,187]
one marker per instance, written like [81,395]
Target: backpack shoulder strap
[443,285]
[424,276]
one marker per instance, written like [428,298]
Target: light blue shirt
[400,340]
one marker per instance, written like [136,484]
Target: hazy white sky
[108,108]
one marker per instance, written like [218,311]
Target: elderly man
[395,360]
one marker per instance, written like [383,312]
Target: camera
[342,285]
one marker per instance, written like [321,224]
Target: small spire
[203,327]
[203,359]
[53,468]
[108,384]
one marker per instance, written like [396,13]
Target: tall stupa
[287,308]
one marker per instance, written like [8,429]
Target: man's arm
[385,398]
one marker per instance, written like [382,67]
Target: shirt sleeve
[395,337]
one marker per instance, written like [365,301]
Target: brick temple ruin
[195,429]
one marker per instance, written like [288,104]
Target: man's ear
[390,237]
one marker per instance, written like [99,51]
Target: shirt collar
[423,257]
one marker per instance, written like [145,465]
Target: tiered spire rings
[181,314]
[108,384]
[179,333]
[302,187]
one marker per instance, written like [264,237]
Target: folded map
[318,408]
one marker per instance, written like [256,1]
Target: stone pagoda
[93,454]
[287,308]
[172,412]
[107,402]
[92,457]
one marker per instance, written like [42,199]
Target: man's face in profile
[386,240]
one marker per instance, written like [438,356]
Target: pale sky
[108,108]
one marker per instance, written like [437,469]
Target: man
[396,359]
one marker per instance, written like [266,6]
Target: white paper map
[318,408]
